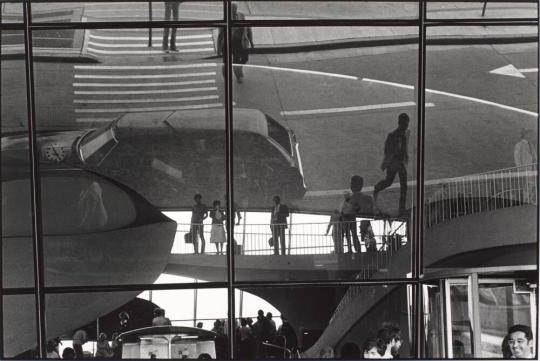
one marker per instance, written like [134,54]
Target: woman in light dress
[217,233]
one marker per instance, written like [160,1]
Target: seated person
[520,341]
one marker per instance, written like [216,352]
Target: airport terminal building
[367,171]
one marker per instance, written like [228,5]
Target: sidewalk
[294,39]
[297,39]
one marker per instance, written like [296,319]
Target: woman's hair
[374,342]
[103,336]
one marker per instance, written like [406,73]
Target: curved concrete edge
[51,55]
[390,41]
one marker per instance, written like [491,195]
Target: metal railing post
[150,27]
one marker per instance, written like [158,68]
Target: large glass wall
[281,179]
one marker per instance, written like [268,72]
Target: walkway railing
[300,239]
[482,192]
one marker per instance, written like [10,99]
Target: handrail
[482,192]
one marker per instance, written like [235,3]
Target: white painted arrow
[511,70]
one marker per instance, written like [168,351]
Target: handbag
[188,238]
[271,241]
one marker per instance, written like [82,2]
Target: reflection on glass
[336,10]
[166,323]
[475,10]
[461,324]
[296,144]
[502,306]
[325,320]
[127,11]
[12,12]
[19,327]
[481,139]
[433,330]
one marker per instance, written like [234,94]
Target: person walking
[524,158]
[278,224]
[217,233]
[199,212]
[395,161]
[171,14]
[241,41]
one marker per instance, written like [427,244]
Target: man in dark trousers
[171,13]
[199,212]
[395,161]
[278,224]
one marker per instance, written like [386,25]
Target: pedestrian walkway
[104,92]
[125,42]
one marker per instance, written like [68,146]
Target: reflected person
[278,224]
[524,158]
[199,212]
[395,161]
[171,14]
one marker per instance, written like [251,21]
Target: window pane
[303,128]
[462,337]
[316,319]
[478,10]
[133,319]
[312,10]
[481,139]
[19,326]
[132,136]
[12,12]
[127,11]
[17,249]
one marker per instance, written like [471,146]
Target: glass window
[326,117]
[316,10]
[481,141]
[19,317]
[309,319]
[127,11]
[479,10]
[12,12]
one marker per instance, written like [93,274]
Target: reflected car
[168,157]
[172,342]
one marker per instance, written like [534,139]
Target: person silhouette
[171,13]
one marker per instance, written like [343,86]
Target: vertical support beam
[290,233]
[150,20]
[195,295]
[35,184]
[229,172]
[474,315]
[418,215]
[447,317]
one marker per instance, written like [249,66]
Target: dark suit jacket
[281,217]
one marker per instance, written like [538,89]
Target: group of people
[385,345]
[199,212]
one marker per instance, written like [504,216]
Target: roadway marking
[142,67]
[453,95]
[150,109]
[167,83]
[302,71]
[156,76]
[125,45]
[116,3]
[137,52]
[351,109]
[511,70]
[156,100]
[145,38]
[157,91]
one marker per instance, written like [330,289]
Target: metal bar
[35,192]
[150,19]
[474,314]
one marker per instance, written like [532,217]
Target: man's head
[269,315]
[277,199]
[199,325]
[234,8]
[159,312]
[520,341]
[390,335]
[403,121]
[357,183]
[197,198]
[260,313]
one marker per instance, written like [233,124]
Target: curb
[388,41]
[51,55]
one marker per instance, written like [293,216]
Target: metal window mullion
[474,314]
[419,209]
[35,191]
[227,58]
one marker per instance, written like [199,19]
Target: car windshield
[278,133]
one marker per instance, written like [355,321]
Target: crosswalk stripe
[145,38]
[143,67]
[351,109]
[157,91]
[132,5]
[167,83]
[149,109]
[141,45]
[96,120]
[137,52]
[157,100]
[158,14]
[146,30]
[154,76]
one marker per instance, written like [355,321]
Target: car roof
[246,120]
